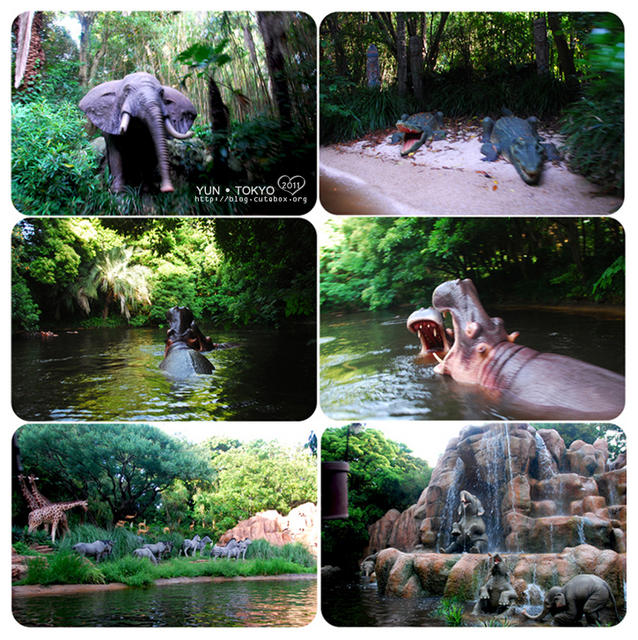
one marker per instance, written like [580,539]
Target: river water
[273,603]
[369,365]
[113,375]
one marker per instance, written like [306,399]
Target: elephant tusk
[174,133]
[124,122]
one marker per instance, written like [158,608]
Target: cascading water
[581,530]
[496,445]
[447,517]
[544,459]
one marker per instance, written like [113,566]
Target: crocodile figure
[414,130]
[518,141]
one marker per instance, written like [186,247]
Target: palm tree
[113,275]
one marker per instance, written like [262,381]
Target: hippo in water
[528,383]
[184,342]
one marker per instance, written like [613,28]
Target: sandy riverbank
[448,177]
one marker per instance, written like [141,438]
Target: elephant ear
[179,109]
[559,600]
[102,106]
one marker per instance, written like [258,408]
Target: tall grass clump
[132,571]
[451,610]
[124,540]
[294,552]
[62,568]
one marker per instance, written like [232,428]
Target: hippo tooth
[436,355]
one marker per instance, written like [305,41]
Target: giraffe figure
[45,502]
[28,496]
[53,514]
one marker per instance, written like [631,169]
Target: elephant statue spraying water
[584,594]
[137,114]
[497,595]
[468,532]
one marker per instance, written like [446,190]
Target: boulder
[587,459]
[298,526]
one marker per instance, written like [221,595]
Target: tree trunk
[433,50]
[402,56]
[219,122]
[416,66]
[341,64]
[86,18]
[273,30]
[565,54]
[29,54]
[250,45]
[541,47]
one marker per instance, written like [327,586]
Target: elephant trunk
[155,122]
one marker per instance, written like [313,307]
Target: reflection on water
[360,605]
[113,374]
[370,366]
[274,603]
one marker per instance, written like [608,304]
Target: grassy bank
[69,568]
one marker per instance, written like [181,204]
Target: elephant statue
[583,594]
[497,595]
[99,548]
[137,114]
[184,342]
[468,532]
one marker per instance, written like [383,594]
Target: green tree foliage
[383,475]
[120,469]
[234,270]
[252,477]
[383,262]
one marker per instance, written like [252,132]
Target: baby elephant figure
[583,594]
[497,595]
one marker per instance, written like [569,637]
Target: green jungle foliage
[92,272]
[470,65]
[376,263]
[160,486]
[383,475]
[58,166]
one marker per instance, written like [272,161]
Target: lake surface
[369,365]
[272,603]
[113,375]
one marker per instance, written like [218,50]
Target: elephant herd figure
[159,550]
[584,595]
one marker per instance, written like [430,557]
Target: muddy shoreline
[70,589]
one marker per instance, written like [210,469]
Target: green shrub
[594,144]
[62,568]
[451,610]
[132,571]
[294,552]
[53,166]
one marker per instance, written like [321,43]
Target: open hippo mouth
[427,324]
[474,330]
[184,330]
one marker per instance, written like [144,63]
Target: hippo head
[182,328]
[475,333]
[427,324]
[527,157]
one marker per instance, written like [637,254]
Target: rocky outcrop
[421,574]
[300,525]
[539,495]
